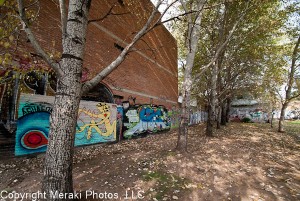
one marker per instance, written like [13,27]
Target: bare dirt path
[244,162]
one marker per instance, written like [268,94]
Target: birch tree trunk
[192,44]
[59,155]
[212,101]
[291,80]
[281,118]
[219,85]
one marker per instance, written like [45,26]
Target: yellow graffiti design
[104,115]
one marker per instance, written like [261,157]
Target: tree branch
[294,97]
[106,71]
[178,17]
[110,12]
[53,64]
[63,16]
[293,69]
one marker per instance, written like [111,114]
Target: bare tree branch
[90,84]
[53,64]
[163,13]
[294,97]
[63,16]
[178,17]
[110,12]
[149,48]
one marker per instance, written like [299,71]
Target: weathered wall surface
[150,71]
[97,122]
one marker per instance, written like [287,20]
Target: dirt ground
[244,162]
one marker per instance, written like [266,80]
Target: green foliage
[16,55]
[9,26]
[246,120]
[253,57]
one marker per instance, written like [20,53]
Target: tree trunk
[209,122]
[212,101]
[228,102]
[14,98]
[223,115]
[59,155]
[185,107]
[192,44]
[281,119]
[219,117]
[272,118]
[2,93]
[183,127]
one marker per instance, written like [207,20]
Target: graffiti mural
[97,122]
[255,115]
[146,118]
[32,127]
[197,117]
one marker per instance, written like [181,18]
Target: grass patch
[165,184]
[294,122]
[290,127]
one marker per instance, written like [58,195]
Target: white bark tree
[193,34]
[289,96]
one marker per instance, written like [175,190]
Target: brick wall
[148,72]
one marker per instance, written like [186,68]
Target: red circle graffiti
[34,139]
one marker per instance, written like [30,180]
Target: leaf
[2,2]
[11,38]
[6,45]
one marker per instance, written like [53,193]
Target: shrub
[246,120]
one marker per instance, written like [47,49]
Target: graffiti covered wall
[237,114]
[145,118]
[197,117]
[97,122]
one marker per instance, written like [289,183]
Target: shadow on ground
[244,162]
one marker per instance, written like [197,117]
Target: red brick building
[149,72]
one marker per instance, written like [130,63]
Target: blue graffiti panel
[146,118]
[32,133]
[97,122]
